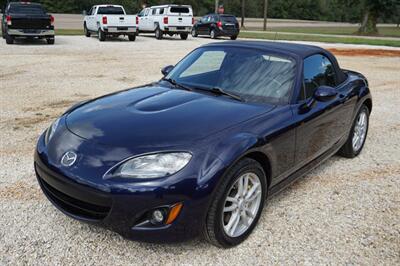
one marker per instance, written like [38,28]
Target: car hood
[157,116]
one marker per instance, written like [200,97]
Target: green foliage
[332,10]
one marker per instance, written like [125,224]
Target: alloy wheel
[242,204]
[360,131]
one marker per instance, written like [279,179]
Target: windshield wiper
[219,91]
[176,84]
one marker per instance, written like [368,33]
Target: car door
[91,20]
[320,125]
[202,28]
[144,20]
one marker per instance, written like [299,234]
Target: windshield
[27,9]
[110,10]
[256,76]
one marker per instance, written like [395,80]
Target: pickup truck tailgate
[121,21]
[184,21]
[30,22]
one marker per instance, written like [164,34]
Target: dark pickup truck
[27,20]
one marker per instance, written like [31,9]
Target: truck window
[26,9]
[229,19]
[161,11]
[110,10]
[153,11]
[179,9]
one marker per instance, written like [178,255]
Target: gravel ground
[344,212]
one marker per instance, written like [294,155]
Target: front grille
[74,206]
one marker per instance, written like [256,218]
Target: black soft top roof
[300,50]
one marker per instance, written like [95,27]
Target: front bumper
[121,212]
[30,32]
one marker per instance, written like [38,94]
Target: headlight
[153,166]
[50,131]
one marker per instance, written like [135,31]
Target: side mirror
[165,71]
[325,93]
[84,12]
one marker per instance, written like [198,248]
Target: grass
[69,32]
[315,38]
[383,31]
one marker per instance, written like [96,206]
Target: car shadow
[30,41]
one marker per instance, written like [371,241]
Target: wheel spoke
[244,218]
[254,196]
[240,186]
[249,213]
[230,208]
[252,190]
[235,224]
[245,185]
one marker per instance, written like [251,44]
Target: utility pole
[265,14]
[216,6]
[243,10]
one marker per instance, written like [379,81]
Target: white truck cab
[110,20]
[167,19]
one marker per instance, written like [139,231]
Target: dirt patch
[365,52]
[20,190]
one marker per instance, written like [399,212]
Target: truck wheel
[194,32]
[102,36]
[213,35]
[158,33]
[9,39]
[51,40]
[132,37]
[184,36]
[87,32]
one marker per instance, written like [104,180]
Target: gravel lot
[344,212]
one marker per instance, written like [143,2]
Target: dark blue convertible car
[202,149]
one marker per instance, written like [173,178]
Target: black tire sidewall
[220,234]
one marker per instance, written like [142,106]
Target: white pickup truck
[167,19]
[110,20]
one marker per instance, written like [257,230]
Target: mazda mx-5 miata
[202,149]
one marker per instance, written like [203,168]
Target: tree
[374,10]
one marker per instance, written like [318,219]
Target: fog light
[157,217]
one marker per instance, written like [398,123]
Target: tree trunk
[216,6]
[265,14]
[243,11]
[368,25]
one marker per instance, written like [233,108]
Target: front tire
[237,205]
[184,36]
[194,33]
[234,37]
[87,32]
[213,34]
[102,36]
[358,134]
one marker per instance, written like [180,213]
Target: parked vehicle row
[27,20]
[30,20]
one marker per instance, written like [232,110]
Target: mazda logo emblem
[69,158]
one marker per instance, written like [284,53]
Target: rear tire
[132,37]
[213,35]
[102,36]
[228,225]
[234,37]
[9,39]
[158,33]
[51,40]
[87,32]
[359,132]
[184,36]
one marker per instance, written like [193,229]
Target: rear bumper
[30,32]
[120,30]
[222,32]
[178,29]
